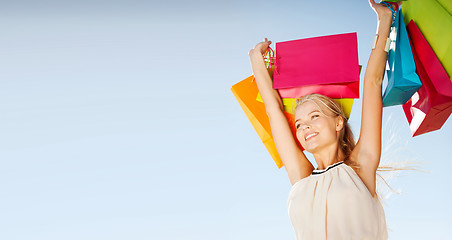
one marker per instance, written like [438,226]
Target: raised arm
[368,148]
[294,160]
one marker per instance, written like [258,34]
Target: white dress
[333,204]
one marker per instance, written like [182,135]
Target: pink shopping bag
[318,60]
[333,90]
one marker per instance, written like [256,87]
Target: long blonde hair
[347,141]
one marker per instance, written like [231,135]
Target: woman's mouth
[309,136]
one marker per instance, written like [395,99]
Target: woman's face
[315,130]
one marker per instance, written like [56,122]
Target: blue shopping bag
[403,81]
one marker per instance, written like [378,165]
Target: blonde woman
[338,200]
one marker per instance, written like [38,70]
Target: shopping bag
[290,104]
[333,90]
[431,105]
[446,4]
[318,60]
[434,19]
[403,81]
[339,90]
[245,92]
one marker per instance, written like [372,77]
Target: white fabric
[335,204]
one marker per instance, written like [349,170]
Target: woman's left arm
[368,148]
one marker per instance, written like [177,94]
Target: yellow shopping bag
[290,104]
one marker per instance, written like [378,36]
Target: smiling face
[317,128]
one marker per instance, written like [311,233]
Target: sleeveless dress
[334,204]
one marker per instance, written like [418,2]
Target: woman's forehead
[306,108]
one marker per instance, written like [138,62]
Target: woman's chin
[310,149]
[311,146]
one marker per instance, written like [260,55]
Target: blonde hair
[346,140]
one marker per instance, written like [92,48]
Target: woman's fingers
[394,5]
[399,3]
[266,43]
[262,46]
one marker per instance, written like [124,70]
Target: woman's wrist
[256,53]
[384,25]
[385,16]
[386,20]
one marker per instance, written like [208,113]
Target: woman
[338,200]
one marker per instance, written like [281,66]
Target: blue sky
[118,122]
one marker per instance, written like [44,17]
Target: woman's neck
[328,157]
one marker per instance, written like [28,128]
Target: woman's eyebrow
[308,114]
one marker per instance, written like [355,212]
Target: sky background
[117,122]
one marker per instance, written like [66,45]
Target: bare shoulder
[302,170]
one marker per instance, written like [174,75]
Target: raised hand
[382,10]
[261,47]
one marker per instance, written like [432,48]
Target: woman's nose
[305,126]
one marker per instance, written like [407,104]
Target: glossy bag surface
[332,90]
[403,81]
[434,19]
[318,60]
[338,90]
[431,105]
[246,92]
[290,104]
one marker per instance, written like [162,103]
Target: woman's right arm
[294,160]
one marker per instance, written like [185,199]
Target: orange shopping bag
[246,92]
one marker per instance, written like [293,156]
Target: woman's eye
[314,116]
[297,126]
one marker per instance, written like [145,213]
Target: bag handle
[269,56]
[389,5]
[270,59]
